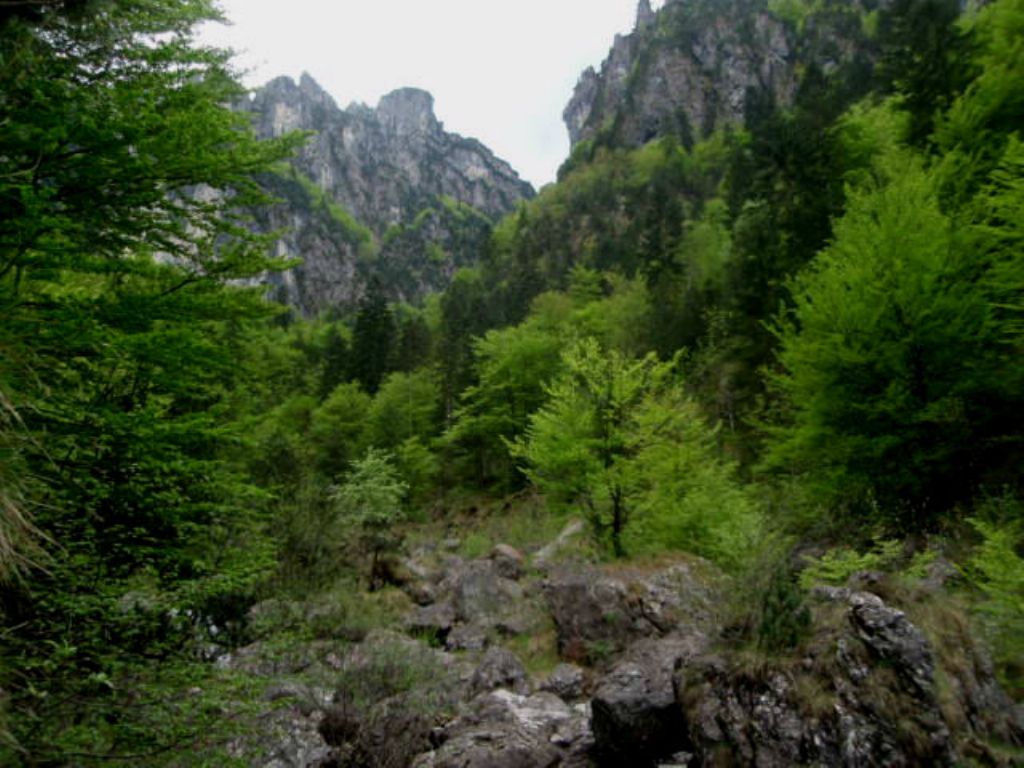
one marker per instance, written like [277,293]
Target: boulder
[592,615]
[499,669]
[479,592]
[597,616]
[434,620]
[395,731]
[502,729]
[566,681]
[466,637]
[393,693]
[635,718]
[508,561]
[283,737]
[410,574]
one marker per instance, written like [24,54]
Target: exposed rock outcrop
[506,730]
[868,686]
[635,716]
[475,603]
[865,693]
[597,616]
[385,192]
[696,65]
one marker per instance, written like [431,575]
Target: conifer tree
[373,338]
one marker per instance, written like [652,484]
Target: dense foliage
[119,173]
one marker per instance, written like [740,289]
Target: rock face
[475,603]
[865,693]
[385,192]
[598,616]
[697,64]
[635,716]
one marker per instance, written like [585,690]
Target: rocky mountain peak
[408,111]
[691,67]
[644,15]
[381,193]
[312,90]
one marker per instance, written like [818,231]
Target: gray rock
[508,561]
[396,730]
[592,615]
[282,738]
[436,620]
[598,616]
[506,730]
[691,68]
[499,668]
[410,575]
[466,637]
[393,692]
[261,660]
[889,633]
[746,721]
[566,681]
[479,594]
[395,171]
[864,694]
[287,734]
[635,717]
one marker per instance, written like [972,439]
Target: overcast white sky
[500,71]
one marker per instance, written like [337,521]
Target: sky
[501,71]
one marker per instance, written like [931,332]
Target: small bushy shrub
[997,569]
[785,619]
[839,564]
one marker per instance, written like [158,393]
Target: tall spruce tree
[122,178]
[373,338]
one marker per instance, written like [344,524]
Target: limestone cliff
[383,192]
[695,65]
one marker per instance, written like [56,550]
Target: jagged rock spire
[644,14]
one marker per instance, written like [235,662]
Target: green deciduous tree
[997,568]
[369,505]
[619,439]
[687,497]
[407,405]
[513,365]
[338,431]
[892,358]
[579,446]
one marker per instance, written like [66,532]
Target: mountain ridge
[381,193]
[691,67]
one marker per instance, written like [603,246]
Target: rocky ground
[645,675]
